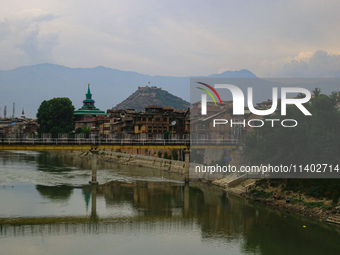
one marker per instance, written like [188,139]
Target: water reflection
[147,217]
[56,162]
[59,193]
[219,216]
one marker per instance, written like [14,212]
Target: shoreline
[319,209]
[241,187]
[168,165]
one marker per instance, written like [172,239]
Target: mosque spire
[88,95]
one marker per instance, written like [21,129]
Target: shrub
[174,154]
[260,193]
[166,156]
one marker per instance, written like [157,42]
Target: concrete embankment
[173,166]
[232,183]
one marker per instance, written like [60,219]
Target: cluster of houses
[18,127]
[155,122]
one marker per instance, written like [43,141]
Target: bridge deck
[87,144]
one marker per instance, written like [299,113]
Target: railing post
[186,166]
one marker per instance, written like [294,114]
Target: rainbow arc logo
[209,93]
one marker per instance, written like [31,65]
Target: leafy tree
[56,116]
[85,130]
[166,135]
[316,138]
[174,154]
[79,130]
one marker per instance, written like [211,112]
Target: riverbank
[231,184]
[168,165]
[319,209]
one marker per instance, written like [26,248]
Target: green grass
[260,193]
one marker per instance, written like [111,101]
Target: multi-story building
[157,120]
[154,122]
[201,127]
[18,128]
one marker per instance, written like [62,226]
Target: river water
[47,207]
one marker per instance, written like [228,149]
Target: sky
[281,38]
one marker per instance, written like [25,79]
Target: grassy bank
[315,198]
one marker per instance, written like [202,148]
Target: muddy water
[47,207]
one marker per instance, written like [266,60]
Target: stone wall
[140,160]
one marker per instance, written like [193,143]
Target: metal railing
[114,141]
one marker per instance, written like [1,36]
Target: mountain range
[28,86]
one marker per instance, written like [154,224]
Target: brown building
[18,128]
[235,126]
[153,123]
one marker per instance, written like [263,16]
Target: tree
[56,116]
[315,139]
[85,130]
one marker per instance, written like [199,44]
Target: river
[47,207]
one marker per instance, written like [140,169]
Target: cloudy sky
[281,38]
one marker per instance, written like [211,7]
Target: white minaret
[23,114]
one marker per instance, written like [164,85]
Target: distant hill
[244,73]
[28,86]
[146,96]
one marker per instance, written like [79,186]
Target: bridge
[24,225]
[39,144]
[42,144]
